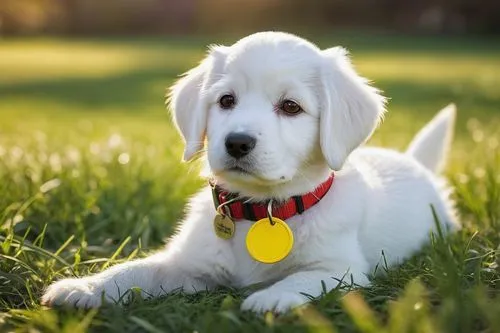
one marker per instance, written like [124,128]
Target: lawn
[90,175]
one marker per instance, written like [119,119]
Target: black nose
[239,144]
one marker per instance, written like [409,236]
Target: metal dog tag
[223,226]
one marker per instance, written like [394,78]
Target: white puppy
[278,115]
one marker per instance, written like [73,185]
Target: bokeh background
[95,17]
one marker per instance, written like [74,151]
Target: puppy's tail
[430,146]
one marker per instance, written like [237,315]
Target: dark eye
[227,101]
[290,107]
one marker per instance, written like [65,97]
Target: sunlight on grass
[430,69]
[36,60]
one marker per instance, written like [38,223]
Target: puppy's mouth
[239,170]
[246,174]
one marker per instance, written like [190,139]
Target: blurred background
[96,17]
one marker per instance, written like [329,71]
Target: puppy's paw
[273,300]
[82,293]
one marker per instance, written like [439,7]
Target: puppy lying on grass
[293,202]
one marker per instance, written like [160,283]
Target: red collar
[240,209]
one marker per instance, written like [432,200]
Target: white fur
[380,201]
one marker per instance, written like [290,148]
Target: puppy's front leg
[155,275]
[194,260]
[292,290]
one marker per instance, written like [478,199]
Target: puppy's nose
[239,144]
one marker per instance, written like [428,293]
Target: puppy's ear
[187,100]
[351,110]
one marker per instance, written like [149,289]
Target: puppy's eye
[290,107]
[227,102]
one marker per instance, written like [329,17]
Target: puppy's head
[273,108]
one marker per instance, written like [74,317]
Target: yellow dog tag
[269,243]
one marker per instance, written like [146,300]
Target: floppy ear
[186,101]
[351,110]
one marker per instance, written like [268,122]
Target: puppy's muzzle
[239,145]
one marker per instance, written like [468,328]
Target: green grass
[90,175]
